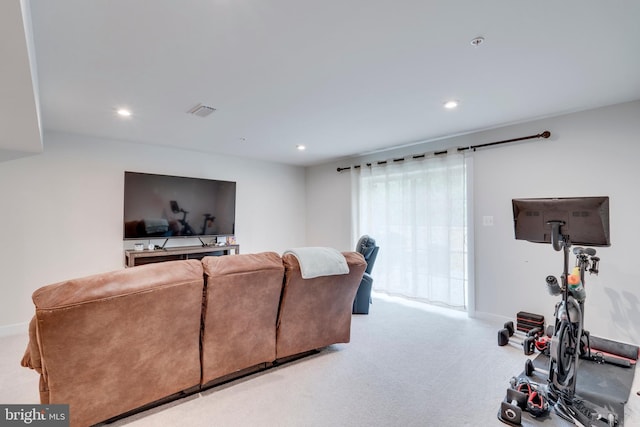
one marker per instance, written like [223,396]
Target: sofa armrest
[31,358]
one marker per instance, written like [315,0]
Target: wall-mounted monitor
[583,220]
[164,206]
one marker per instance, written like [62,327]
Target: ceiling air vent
[201,110]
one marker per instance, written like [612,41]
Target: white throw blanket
[318,261]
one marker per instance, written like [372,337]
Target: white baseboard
[490,317]
[15,329]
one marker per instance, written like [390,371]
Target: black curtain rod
[545,134]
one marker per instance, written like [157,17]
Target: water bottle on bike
[575,285]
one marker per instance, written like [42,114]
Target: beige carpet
[405,366]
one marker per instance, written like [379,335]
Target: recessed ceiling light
[301,147]
[477,41]
[450,105]
[124,112]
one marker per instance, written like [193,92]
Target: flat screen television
[583,220]
[164,206]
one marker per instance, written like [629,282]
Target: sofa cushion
[113,342]
[315,313]
[240,312]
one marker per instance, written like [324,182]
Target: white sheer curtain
[416,211]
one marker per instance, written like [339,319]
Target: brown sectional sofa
[120,341]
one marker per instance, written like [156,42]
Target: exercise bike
[570,341]
[186,229]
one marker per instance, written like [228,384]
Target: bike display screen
[584,220]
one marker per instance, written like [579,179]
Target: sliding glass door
[417,212]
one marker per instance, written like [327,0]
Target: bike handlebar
[586,251]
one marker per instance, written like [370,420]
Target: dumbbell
[533,332]
[527,343]
[512,406]
[537,386]
[537,403]
[530,369]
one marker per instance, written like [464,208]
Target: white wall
[77,184]
[589,153]
[328,208]
[62,212]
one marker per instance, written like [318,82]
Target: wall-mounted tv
[164,206]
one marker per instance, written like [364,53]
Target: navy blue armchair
[367,247]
